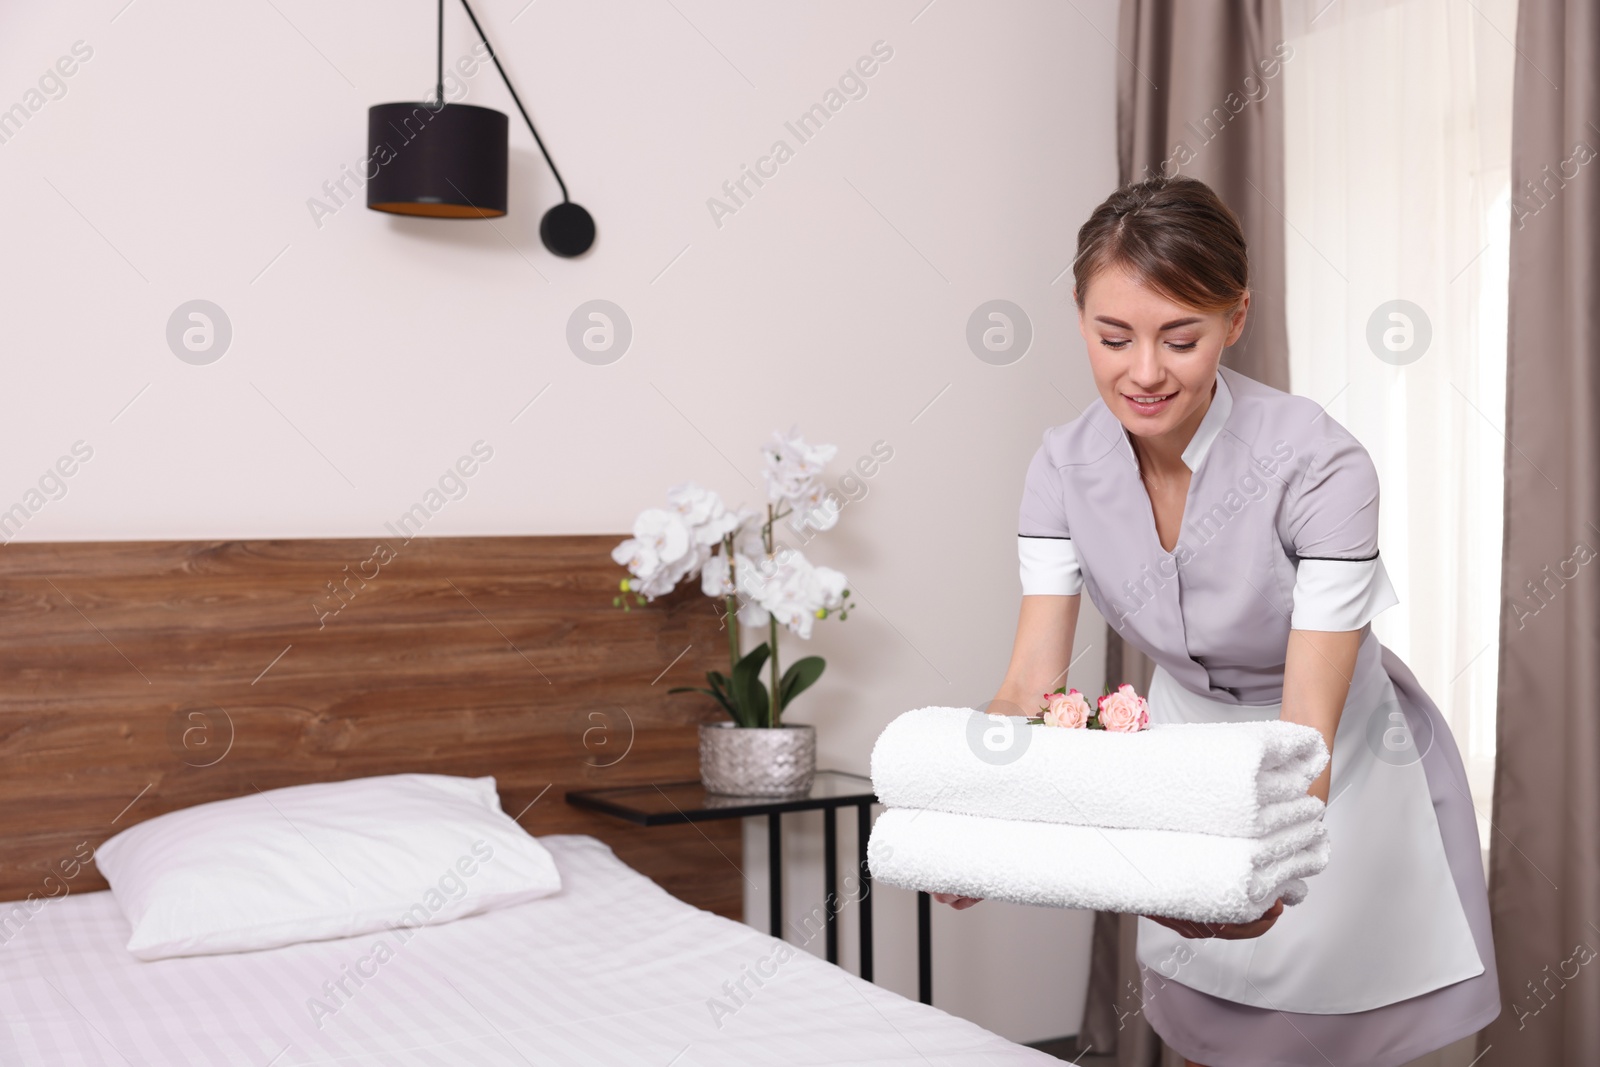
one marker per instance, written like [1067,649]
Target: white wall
[368,352]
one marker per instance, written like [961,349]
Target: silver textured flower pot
[757,761]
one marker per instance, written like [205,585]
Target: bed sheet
[612,970]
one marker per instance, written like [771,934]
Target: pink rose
[1124,711]
[1068,709]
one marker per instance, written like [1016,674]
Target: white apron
[1383,922]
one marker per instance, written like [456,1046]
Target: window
[1397,192]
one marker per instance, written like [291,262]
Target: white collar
[1210,426]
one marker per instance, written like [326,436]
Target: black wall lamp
[448,161]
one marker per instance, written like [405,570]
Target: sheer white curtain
[1397,145]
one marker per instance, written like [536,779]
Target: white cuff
[1049,566]
[1340,594]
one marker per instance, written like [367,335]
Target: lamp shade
[444,162]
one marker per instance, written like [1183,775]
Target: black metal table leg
[863,832]
[830,874]
[775,874]
[924,948]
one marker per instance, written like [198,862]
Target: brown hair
[1175,235]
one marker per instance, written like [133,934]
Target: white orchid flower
[791,589]
[704,513]
[793,466]
[815,508]
[831,584]
[664,532]
[660,553]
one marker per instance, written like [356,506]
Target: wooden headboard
[141,677]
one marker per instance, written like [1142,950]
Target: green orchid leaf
[758,701]
[732,700]
[800,676]
[754,658]
[746,689]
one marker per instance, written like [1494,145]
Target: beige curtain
[1198,94]
[1544,881]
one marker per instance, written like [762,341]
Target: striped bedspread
[612,970]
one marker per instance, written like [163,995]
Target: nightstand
[670,803]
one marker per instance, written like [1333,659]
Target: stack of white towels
[1202,821]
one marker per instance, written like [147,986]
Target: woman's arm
[1316,681]
[1039,658]
[1040,654]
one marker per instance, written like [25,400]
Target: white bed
[611,970]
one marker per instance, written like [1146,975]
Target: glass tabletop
[676,802]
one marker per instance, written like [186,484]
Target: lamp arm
[481,36]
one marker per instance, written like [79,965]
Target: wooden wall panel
[141,677]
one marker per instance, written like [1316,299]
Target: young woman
[1230,532]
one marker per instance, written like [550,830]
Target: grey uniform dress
[1390,955]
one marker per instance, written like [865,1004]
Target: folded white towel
[1240,779]
[1148,872]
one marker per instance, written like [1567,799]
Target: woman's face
[1154,361]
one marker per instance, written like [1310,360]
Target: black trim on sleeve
[1047,537]
[1343,559]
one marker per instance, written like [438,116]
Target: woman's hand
[956,900]
[1224,931]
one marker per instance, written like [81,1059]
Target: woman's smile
[1149,405]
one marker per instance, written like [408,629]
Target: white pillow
[313,862]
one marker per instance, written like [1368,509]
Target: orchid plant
[759,581]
